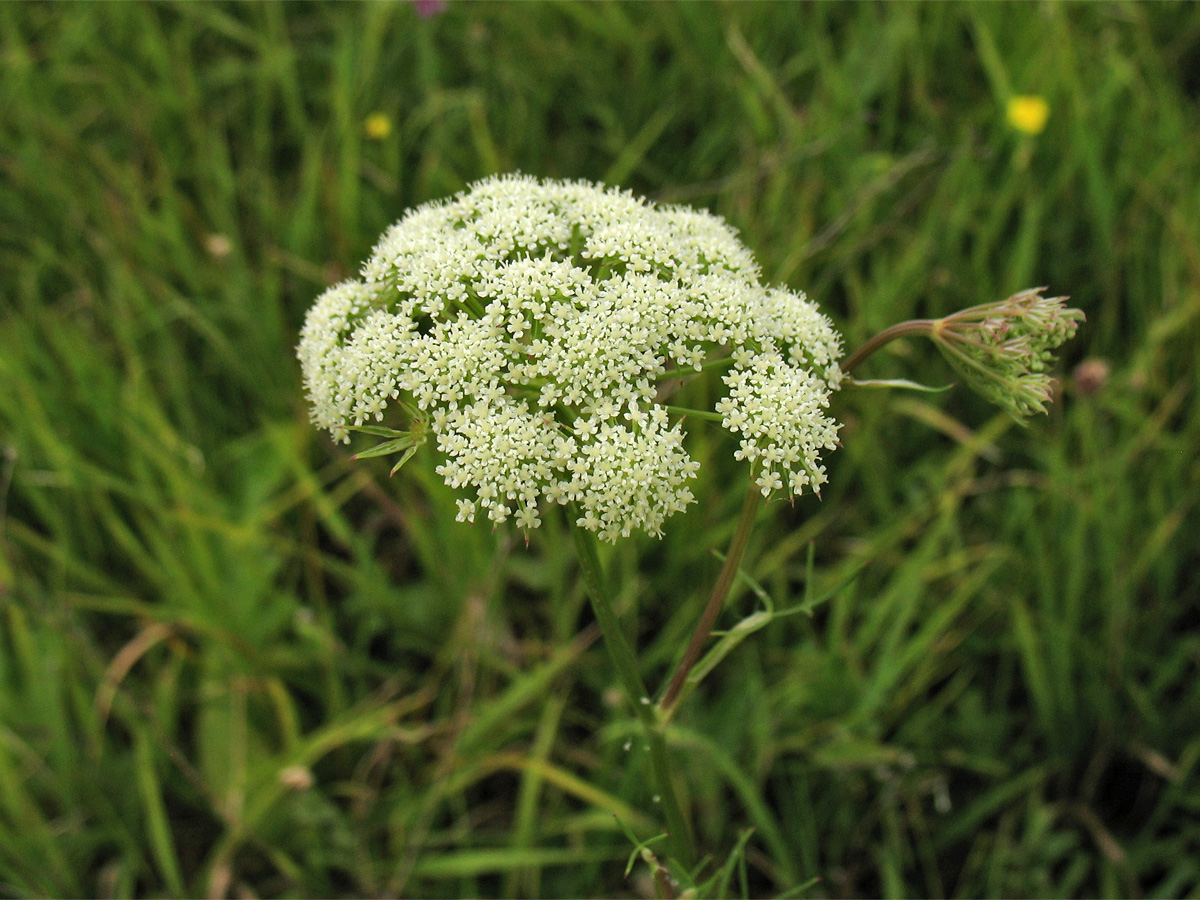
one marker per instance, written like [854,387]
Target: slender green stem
[914,326]
[709,365]
[696,413]
[623,657]
[715,601]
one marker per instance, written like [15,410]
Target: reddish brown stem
[914,326]
[715,602]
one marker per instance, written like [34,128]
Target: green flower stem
[683,411]
[709,365]
[715,602]
[915,326]
[679,836]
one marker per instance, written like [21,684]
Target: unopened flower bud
[1003,350]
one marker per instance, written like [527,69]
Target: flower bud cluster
[1003,350]
[532,324]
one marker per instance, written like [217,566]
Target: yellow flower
[377,126]
[1028,114]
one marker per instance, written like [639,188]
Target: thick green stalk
[623,657]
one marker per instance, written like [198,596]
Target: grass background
[234,663]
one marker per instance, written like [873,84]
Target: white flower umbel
[531,324]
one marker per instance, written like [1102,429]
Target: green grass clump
[234,662]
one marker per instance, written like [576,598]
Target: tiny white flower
[466,510]
[531,324]
[527,517]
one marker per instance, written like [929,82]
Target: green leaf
[401,443]
[408,454]
[728,642]
[157,819]
[638,846]
[760,619]
[902,383]
[735,861]
[377,430]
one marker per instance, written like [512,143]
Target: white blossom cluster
[532,325]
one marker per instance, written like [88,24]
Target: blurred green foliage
[232,662]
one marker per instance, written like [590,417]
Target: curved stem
[679,835]
[717,600]
[914,326]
